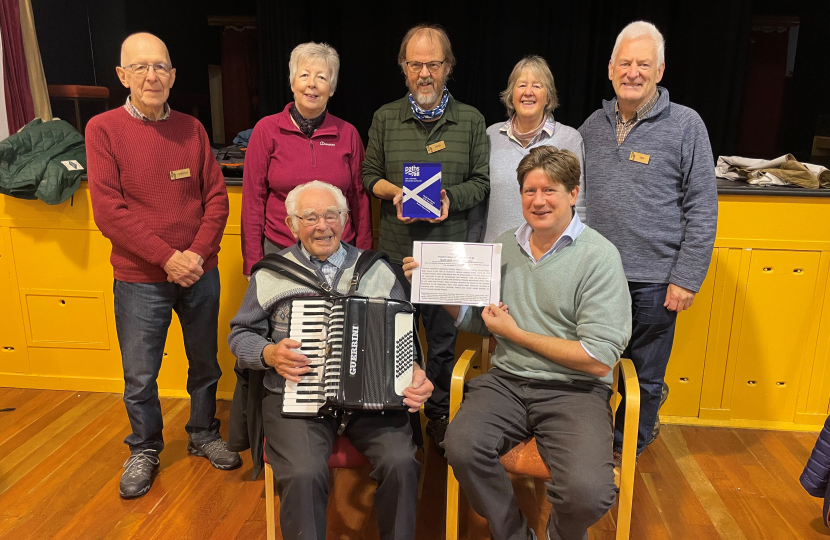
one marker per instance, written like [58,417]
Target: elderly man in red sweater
[159,196]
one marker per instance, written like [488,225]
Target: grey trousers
[298,450]
[572,426]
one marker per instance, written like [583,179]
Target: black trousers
[299,449]
[440,333]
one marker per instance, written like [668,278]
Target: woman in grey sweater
[530,98]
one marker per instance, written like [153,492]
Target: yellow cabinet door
[14,356]
[772,334]
[172,379]
[684,374]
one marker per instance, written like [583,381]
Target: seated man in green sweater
[569,319]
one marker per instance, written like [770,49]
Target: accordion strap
[294,271]
[366,260]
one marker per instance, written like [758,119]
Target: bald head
[143,44]
[150,87]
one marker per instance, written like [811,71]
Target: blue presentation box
[422,190]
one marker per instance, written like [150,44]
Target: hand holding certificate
[456,273]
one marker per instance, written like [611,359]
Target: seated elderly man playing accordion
[298,448]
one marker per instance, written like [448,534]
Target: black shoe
[216,451]
[139,471]
[655,431]
[437,429]
[618,459]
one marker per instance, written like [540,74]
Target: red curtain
[19,106]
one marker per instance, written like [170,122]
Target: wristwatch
[262,357]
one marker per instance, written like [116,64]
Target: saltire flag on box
[422,190]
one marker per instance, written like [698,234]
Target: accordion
[361,350]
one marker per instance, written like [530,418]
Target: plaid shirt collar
[135,113]
[639,113]
[547,130]
[624,127]
[331,265]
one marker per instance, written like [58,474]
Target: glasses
[331,217]
[162,70]
[547,192]
[433,67]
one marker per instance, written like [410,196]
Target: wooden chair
[525,459]
[343,456]
[77,93]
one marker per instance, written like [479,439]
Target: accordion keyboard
[309,324]
[334,350]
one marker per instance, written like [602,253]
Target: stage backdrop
[706,48]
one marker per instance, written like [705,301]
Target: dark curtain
[239,76]
[706,51]
[19,106]
[807,92]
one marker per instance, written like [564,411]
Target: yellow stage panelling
[753,350]
[57,328]
[766,339]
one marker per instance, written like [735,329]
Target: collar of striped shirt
[135,113]
[547,130]
[331,265]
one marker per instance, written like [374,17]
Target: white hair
[294,194]
[639,29]
[315,52]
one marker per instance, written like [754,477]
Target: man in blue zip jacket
[650,189]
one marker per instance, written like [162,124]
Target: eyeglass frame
[437,69]
[337,211]
[165,72]
[554,191]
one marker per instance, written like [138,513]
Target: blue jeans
[652,335]
[142,316]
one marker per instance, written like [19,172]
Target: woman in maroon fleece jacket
[300,144]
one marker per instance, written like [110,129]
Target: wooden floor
[61,455]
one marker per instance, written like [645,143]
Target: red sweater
[145,214]
[280,158]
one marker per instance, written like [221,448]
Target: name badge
[181,173]
[432,148]
[639,158]
[72,165]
